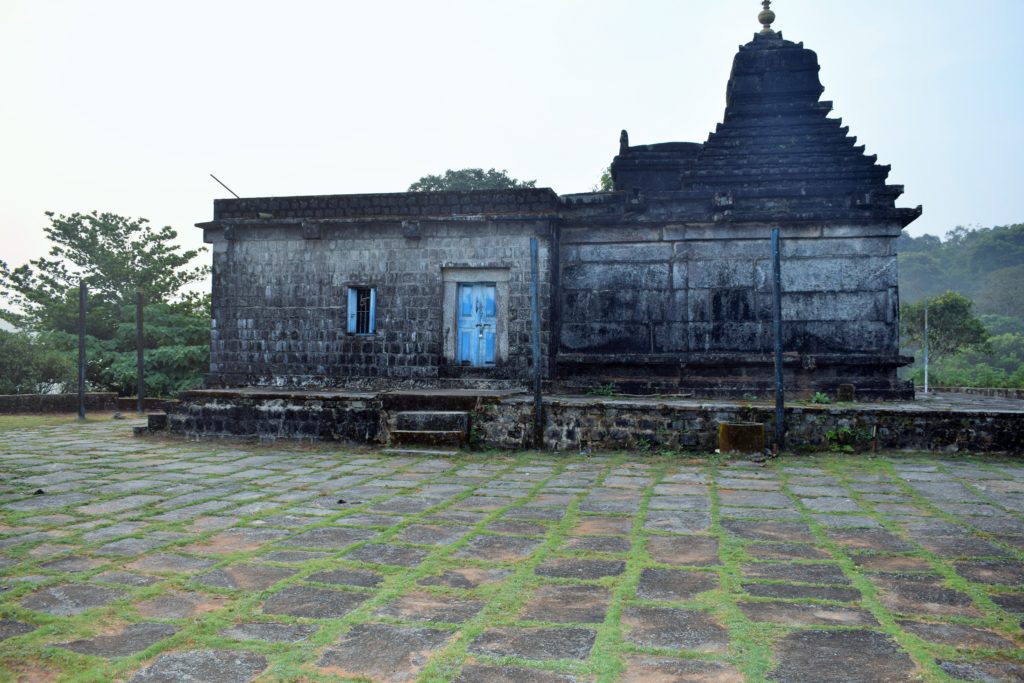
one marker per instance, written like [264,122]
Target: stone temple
[661,286]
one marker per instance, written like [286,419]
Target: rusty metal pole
[140,381]
[538,405]
[780,426]
[82,294]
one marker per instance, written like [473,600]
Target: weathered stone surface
[254,577]
[350,577]
[386,553]
[316,603]
[1008,572]
[922,594]
[126,578]
[696,551]
[807,573]
[647,669]
[382,652]
[578,568]
[956,635]
[70,599]
[270,632]
[674,628]
[786,551]
[990,671]
[179,605]
[841,657]
[209,666]
[131,639]
[427,607]
[170,562]
[673,584]
[591,524]
[535,643]
[891,563]
[600,544]
[869,539]
[795,614]
[476,673]
[567,604]
[499,548]
[10,628]
[424,534]
[330,537]
[770,531]
[466,577]
[790,591]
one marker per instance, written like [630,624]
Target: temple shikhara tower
[660,286]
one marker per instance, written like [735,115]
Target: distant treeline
[986,265]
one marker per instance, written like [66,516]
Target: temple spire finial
[766,16]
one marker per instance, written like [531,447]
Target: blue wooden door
[478,317]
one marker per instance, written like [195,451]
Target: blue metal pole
[780,427]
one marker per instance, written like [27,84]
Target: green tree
[605,182]
[469,179]
[952,325]
[116,257]
[31,363]
[1003,292]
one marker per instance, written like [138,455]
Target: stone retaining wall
[55,403]
[996,392]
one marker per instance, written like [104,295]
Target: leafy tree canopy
[31,364]
[469,179]
[605,182]
[114,255]
[952,325]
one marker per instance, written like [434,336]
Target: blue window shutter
[373,312]
[352,310]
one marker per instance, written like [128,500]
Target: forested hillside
[986,265]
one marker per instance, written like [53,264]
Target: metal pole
[82,293]
[140,383]
[926,346]
[780,427]
[538,407]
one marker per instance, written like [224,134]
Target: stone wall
[691,306]
[55,403]
[280,299]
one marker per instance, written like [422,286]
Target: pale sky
[126,105]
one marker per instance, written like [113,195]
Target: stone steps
[430,428]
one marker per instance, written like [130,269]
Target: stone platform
[944,422]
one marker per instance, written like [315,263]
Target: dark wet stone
[245,576]
[466,577]
[179,605]
[869,539]
[499,548]
[575,568]
[315,603]
[795,614]
[592,524]
[962,545]
[921,594]
[956,635]
[760,499]
[383,652]
[761,514]
[651,669]
[567,604]
[532,512]
[47,502]
[697,551]
[365,519]
[1011,602]
[600,544]
[841,657]
[208,666]
[348,577]
[331,537]
[985,671]
[677,522]
[405,505]
[423,534]
[535,643]
[169,562]
[133,638]
[770,531]
[126,578]
[70,599]
[519,527]
[128,547]
[457,516]
[673,584]
[891,563]
[385,553]
[10,628]
[674,628]
[477,673]
[793,592]
[806,573]
[427,607]
[1007,572]
[270,632]
[294,556]
[786,551]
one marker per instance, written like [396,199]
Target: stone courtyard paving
[147,560]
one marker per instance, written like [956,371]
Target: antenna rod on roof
[224,186]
